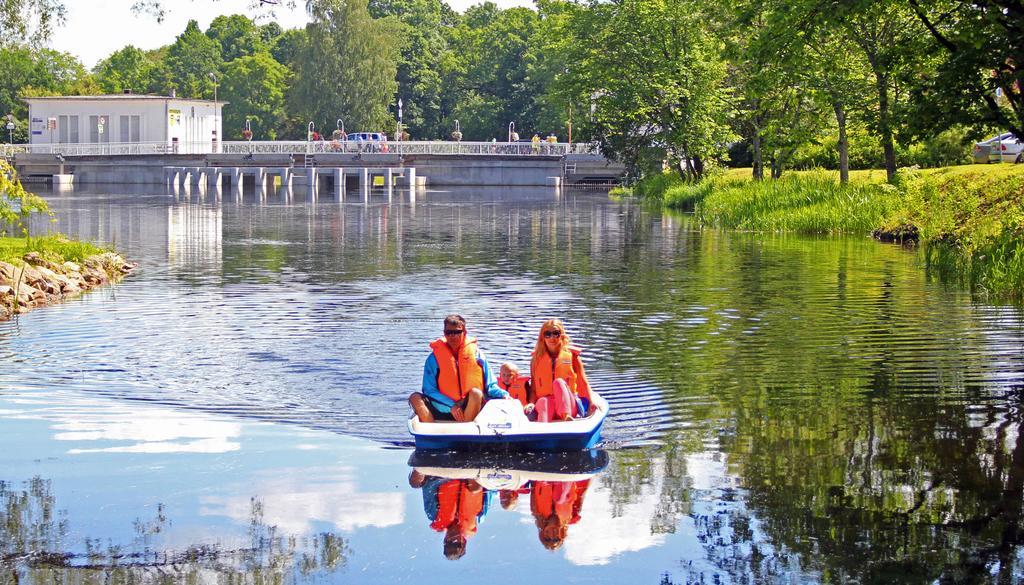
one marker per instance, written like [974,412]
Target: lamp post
[398,134]
[216,114]
[341,128]
[512,132]
[457,135]
[10,127]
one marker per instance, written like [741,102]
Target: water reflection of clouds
[610,528]
[132,430]
[607,529]
[297,498]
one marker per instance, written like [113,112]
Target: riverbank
[47,270]
[968,220]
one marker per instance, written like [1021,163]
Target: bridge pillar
[364,183]
[339,184]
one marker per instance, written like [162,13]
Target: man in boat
[456,377]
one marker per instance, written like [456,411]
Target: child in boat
[558,382]
[510,381]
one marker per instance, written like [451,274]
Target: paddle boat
[501,423]
[507,471]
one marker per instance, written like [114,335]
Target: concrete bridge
[434,163]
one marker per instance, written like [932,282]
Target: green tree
[237,36]
[256,87]
[420,82]
[28,72]
[654,75]
[980,77]
[190,62]
[490,75]
[125,69]
[287,47]
[29,21]
[348,66]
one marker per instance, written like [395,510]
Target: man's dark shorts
[438,415]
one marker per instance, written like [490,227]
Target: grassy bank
[54,248]
[969,220]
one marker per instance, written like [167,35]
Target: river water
[784,409]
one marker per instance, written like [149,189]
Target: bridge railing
[524,149]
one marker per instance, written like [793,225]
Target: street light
[512,132]
[341,129]
[398,135]
[10,127]
[457,135]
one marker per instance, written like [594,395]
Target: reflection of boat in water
[501,423]
[457,489]
[504,471]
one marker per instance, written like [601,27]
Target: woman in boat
[557,378]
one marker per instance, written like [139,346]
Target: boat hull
[502,425]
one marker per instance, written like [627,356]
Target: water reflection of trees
[35,548]
[869,446]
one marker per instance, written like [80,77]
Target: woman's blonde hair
[540,350]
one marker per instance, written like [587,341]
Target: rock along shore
[40,283]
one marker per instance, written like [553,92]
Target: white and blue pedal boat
[502,424]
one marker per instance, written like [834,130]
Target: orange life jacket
[545,370]
[457,376]
[517,389]
[456,503]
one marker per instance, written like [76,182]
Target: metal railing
[524,149]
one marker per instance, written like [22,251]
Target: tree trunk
[776,165]
[843,144]
[757,162]
[884,125]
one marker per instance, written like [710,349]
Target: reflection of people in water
[556,505]
[453,506]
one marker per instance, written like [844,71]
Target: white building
[170,123]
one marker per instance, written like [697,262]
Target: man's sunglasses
[454,331]
[552,333]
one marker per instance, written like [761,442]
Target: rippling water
[784,408]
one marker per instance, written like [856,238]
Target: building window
[130,128]
[67,129]
[94,129]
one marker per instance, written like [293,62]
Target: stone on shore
[40,282]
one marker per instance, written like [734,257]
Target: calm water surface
[785,409]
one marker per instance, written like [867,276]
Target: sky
[96,28]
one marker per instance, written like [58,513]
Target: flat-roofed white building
[181,125]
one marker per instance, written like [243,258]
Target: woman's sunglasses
[552,333]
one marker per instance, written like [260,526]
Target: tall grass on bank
[811,202]
[969,220]
[55,248]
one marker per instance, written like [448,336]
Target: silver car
[1003,148]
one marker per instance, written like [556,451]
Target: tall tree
[654,75]
[193,62]
[237,36]
[981,74]
[256,87]
[348,66]
[125,69]
[420,83]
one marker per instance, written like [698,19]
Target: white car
[1002,148]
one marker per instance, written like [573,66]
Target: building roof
[120,97]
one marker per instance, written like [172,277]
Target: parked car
[1002,148]
[369,141]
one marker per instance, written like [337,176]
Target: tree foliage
[193,62]
[348,66]
[654,76]
[255,87]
